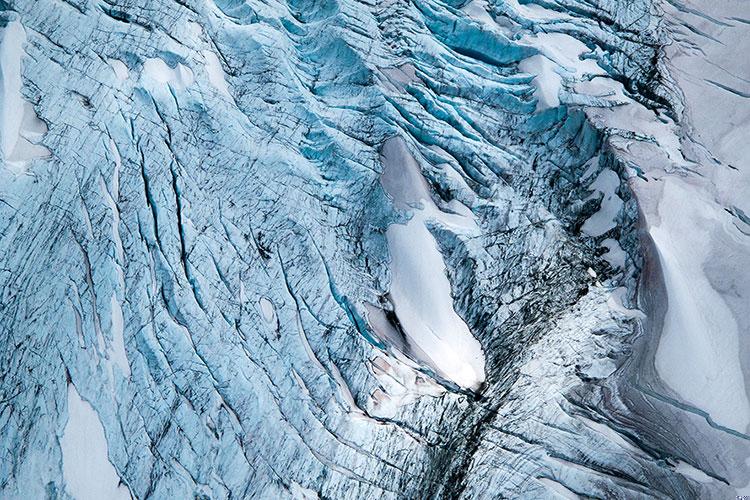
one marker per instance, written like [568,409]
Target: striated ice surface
[398,249]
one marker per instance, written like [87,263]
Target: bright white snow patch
[559,64]
[87,471]
[20,128]
[535,12]
[615,254]
[400,384]
[179,77]
[558,488]
[479,10]
[547,81]
[420,290]
[119,68]
[216,76]
[117,349]
[605,219]
[267,311]
[698,353]
[302,493]
[688,470]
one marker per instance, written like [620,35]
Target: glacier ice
[398,249]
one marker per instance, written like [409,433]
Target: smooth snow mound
[20,128]
[179,77]
[698,353]
[87,471]
[420,290]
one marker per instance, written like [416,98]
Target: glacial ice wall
[398,249]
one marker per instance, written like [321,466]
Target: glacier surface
[392,249]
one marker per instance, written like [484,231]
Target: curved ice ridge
[399,249]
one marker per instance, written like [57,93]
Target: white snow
[302,493]
[87,471]
[420,290]
[119,68]
[117,348]
[615,254]
[479,10]
[535,12]
[559,66]
[20,128]
[216,76]
[611,435]
[179,77]
[547,81]
[558,489]
[267,311]
[11,52]
[698,353]
[688,470]
[400,384]
[605,219]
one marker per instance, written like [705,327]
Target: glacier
[354,249]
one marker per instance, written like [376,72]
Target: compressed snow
[688,470]
[216,75]
[11,52]
[179,77]
[87,471]
[267,311]
[547,81]
[534,11]
[479,10]
[302,493]
[400,384]
[698,353]
[119,68]
[420,290]
[117,348]
[605,219]
[615,254]
[557,488]
[20,128]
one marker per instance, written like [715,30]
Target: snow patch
[117,348]
[698,353]
[605,219]
[180,77]
[400,384]
[216,75]
[302,493]
[20,128]
[420,290]
[693,473]
[87,471]
[267,311]
[557,488]
[615,254]
[120,69]
[559,66]
[547,81]
[479,10]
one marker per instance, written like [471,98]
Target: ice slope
[340,249]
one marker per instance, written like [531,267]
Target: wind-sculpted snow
[399,249]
